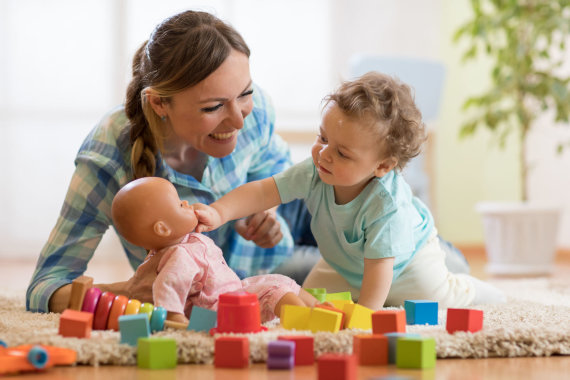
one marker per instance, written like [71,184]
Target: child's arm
[376,282]
[244,200]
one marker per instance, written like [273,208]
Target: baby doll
[192,271]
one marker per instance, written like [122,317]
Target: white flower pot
[520,238]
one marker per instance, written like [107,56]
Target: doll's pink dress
[194,272]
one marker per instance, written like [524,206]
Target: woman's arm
[376,282]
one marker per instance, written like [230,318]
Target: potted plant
[526,40]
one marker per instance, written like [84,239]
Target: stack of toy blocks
[280,354]
[336,367]
[464,320]
[156,353]
[231,352]
[304,348]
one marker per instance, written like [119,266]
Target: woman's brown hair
[182,51]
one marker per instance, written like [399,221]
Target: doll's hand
[208,217]
[262,228]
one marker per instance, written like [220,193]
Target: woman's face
[209,115]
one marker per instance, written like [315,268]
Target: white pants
[426,277]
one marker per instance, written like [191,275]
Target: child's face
[346,153]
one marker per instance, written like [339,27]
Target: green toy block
[319,293]
[157,353]
[416,353]
[339,296]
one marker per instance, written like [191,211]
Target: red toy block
[304,348]
[73,323]
[370,349]
[337,310]
[389,321]
[102,311]
[238,312]
[231,352]
[464,320]
[336,367]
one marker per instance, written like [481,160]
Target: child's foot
[486,293]
[177,317]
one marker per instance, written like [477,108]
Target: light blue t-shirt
[384,220]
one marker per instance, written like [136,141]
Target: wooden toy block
[336,367]
[74,323]
[421,312]
[79,287]
[464,320]
[416,353]
[118,309]
[343,320]
[304,348]
[147,308]
[385,321]
[280,354]
[324,320]
[295,317]
[202,319]
[346,296]
[231,352]
[319,293]
[339,304]
[370,349]
[392,341]
[156,353]
[133,327]
[358,316]
[102,311]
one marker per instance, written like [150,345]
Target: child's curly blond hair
[387,104]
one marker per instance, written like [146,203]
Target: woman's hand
[262,228]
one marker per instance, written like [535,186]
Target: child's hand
[208,217]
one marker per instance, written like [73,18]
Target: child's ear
[161,229]
[385,166]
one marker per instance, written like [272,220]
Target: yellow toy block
[338,296]
[324,320]
[339,304]
[358,317]
[295,317]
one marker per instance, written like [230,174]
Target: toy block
[91,299]
[385,321]
[342,321]
[336,367]
[231,352]
[416,353]
[147,308]
[346,296]
[280,354]
[79,287]
[464,320]
[295,317]
[74,323]
[238,312]
[202,319]
[339,304]
[304,348]
[324,320]
[156,353]
[358,316]
[102,311]
[319,293]
[133,327]
[118,309]
[370,349]
[157,319]
[133,307]
[421,312]
[392,341]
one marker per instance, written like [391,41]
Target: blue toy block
[392,339]
[421,312]
[202,319]
[133,327]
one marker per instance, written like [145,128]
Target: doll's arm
[376,282]
[244,200]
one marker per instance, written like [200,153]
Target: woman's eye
[247,93]
[211,109]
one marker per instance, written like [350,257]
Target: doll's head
[148,212]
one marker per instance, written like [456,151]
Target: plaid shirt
[103,167]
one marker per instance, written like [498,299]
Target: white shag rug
[534,322]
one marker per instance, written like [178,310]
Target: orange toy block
[336,367]
[73,323]
[464,320]
[388,321]
[295,317]
[304,348]
[370,349]
[79,287]
[358,317]
[33,357]
[342,321]
[231,352]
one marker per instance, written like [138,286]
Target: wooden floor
[15,275]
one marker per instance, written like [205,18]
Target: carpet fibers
[534,322]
